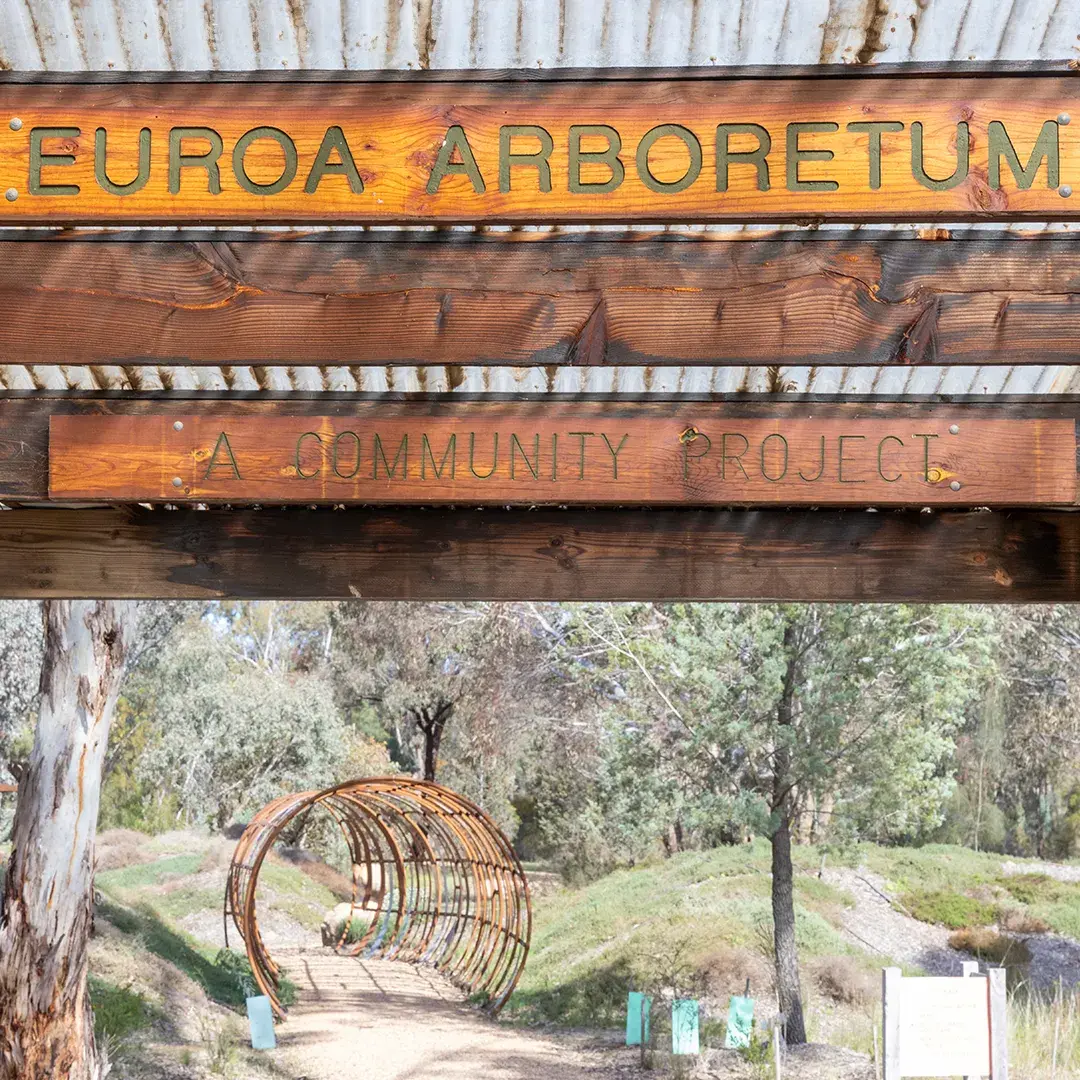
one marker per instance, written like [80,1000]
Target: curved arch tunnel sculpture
[439,881]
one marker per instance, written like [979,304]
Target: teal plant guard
[637,1018]
[261,1020]
[740,1021]
[684,1027]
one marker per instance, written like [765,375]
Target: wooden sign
[942,1027]
[570,147]
[496,453]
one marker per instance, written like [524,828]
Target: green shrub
[1031,888]
[235,966]
[946,908]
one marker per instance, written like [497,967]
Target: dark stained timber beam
[529,299]
[542,555]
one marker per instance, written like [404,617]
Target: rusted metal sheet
[439,882]
[497,453]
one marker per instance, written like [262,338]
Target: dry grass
[326,875]
[842,979]
[1044,1038]
[726,970]
[1020,922]
[991,947]
[117,848]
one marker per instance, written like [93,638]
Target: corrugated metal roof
[193,35]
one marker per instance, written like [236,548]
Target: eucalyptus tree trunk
[788,989]
[46,1026]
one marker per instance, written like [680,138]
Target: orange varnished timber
[496,453]
[395,129]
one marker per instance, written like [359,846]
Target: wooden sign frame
[873,144]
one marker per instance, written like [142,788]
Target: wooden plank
[890,1007]
[531,299]
[25,418]
[500,453]
[999,1025]
[1030,556]
[651,148]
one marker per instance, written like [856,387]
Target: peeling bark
[46,1026]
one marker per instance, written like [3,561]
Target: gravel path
[1057,871]
[875,925]
[397,1021]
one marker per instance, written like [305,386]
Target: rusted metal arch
[438,879]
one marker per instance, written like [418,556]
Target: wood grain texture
[496,453]
[1029,556]
[25,418]
[395,130]
[528,299]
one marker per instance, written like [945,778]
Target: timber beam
[538,300]
[414,554]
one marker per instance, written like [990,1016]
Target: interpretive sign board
[566,147]
[944,1027]
[515,453]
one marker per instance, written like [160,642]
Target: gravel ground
[397,1021]
[875,925]
[1055,870]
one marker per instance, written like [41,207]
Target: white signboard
[944,1027]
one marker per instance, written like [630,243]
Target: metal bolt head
[11,194]
[1064,118]
[178,425]
[1065,191]
[954,429]
[15,124]
[177,482]
[955,485]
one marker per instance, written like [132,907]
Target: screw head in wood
[178,425]
[11,194]
[1065,191]
[177,482]
[15,124]
[954,429]
[1064,118]
[955,485]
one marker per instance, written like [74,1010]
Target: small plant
[221,1042]
[235,966]
[119,1011]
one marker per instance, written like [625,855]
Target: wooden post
[890,1033]
[999,1026]
[776,1049]
[968,969]
[46,1026]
